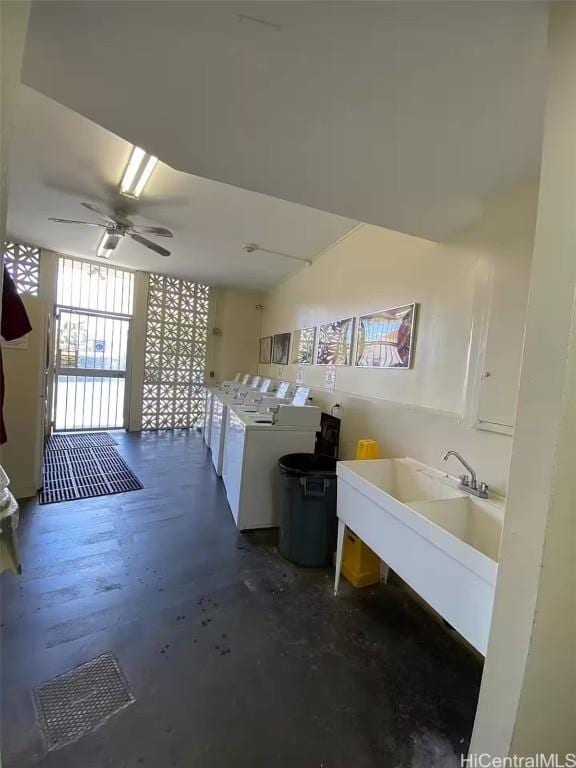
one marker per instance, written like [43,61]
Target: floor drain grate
[85,440]
[85,472]
[77,702]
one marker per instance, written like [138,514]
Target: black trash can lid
[307,464]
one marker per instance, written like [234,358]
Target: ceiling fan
[116,227]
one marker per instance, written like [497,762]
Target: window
[175,357]
[85,285]
[23,265]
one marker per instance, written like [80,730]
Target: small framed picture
[303,346]
[335,343]
[266,350]
[281,349]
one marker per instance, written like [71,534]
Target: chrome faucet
[468,483]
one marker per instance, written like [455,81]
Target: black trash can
[307,504]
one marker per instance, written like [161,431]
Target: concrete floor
[365,680]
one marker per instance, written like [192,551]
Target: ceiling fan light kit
[137,172]
[108,243]
[116,226]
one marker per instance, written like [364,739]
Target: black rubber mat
[75,703]
[67,442]
[85,472]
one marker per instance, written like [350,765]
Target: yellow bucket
[367,449]
[360,565]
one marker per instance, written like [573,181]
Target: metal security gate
[90,370]
[91,333]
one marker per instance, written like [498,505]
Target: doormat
[85,472]
[60,442]
[77,702]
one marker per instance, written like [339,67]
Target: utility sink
[440,540]
[474,521]
[404,479]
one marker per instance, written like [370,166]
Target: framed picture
[266,350]
[303,346]
[281,349]
[386,338]
[335,343]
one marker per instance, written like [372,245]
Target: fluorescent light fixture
[108,243]
[137,172]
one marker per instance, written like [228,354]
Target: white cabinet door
[504,341]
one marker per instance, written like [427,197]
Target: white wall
[528,696]
[235,315]
[23,403]
[13,27]
[418,412]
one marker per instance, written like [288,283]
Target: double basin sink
[443,542]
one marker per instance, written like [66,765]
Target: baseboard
[23,492]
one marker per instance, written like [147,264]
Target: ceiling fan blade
[156,231]
[75,221]
[100,212]
[149,244]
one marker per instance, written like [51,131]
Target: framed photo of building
[266,350]
[386,338]
[281,349]
[335,343]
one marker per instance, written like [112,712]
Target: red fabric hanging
[14,325]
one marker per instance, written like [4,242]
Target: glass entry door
[90,369]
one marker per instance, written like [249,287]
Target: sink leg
[339,553]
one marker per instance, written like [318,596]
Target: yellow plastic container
[360,565]
[367,449]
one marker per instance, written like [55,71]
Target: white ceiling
[403,114]
[59,158]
